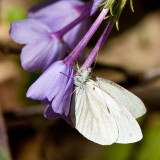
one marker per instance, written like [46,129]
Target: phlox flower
[54,87]
[61,13]
[49,32]
[42,47]
[50,114]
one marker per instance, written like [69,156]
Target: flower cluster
[51,31]
[55,35]
[48,32]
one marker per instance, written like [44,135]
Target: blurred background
[130,57]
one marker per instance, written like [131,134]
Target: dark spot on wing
[108,109]
[93,88]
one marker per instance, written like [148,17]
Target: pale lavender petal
[61,12]
[40,88]
[42,53]
[48,82]
[50,114]
[95,8]
[28,31]
[61,101]
[55,87]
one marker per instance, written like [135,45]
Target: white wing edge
[130,101]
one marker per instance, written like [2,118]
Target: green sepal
[117,24]
[116,7]
[107,17]
[102,4]
[131,5]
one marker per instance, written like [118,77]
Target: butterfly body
[104,112]
[83,77]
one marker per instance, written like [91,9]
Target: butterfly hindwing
[128,128]
[131,102]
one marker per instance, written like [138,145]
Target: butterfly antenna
[96,59]
[70,95]
[72,92]
[66,75]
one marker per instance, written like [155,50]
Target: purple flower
[49,32]
[50,114]
[54,87]
[42,47]
[63,12]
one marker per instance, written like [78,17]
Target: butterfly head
[83,76]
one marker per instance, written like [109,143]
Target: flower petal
[41,54]
[48,82]
[50,114]
[40,88]
[61,101]
[63,13]
[28,31]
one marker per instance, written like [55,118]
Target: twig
[9,50]
[24,112]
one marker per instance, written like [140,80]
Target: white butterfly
[104,112]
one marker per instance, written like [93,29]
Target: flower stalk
[69,60]
[116,8]
[98,46]
[83,16]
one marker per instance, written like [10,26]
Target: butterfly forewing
[91,115]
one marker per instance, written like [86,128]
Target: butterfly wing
[131,102]
[91,116]
[128,128]
[101,118]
